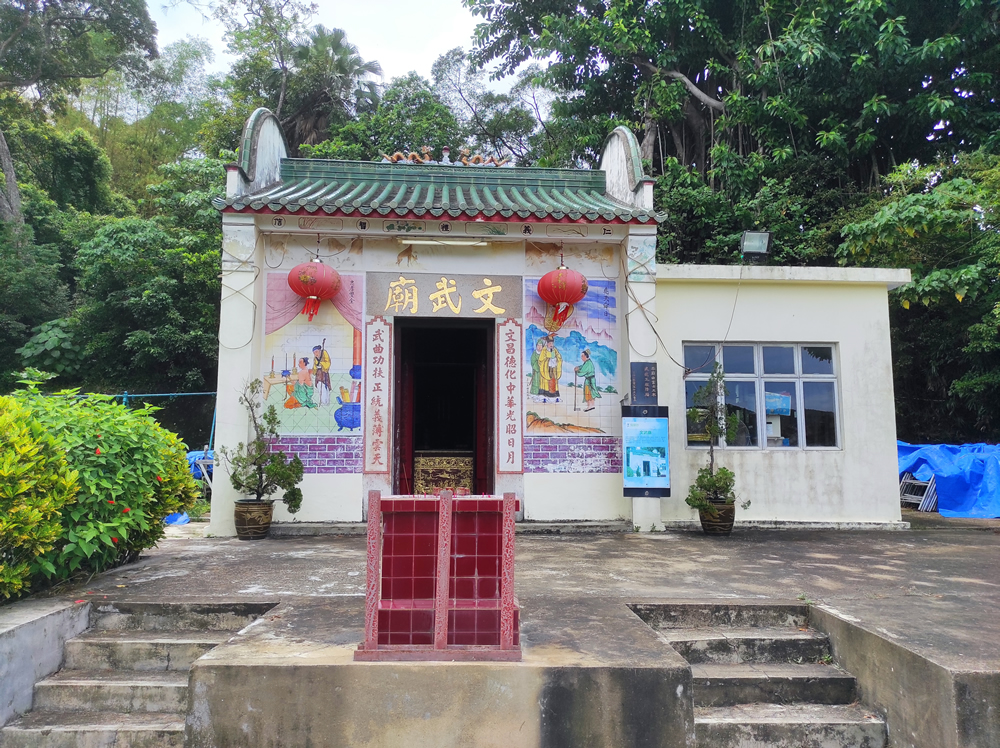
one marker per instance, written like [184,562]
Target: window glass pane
[699,357]
[737,359]
[781,414]
[817,359]
[819,402]
[696,434]
[779,359]
[741,401]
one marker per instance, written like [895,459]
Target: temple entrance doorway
[444,407]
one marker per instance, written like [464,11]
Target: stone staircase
[762,678]
[124,682]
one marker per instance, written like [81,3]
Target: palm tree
[330,78]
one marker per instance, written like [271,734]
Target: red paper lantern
[561,289]
[313,281]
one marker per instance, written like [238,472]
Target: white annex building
[439,365]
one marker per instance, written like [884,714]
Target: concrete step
[573,527]
[105,690]
[529,527]
[139,650]
[780,683]
[788,726]
[691,614]
[41,729]
[157,616]
[733,645]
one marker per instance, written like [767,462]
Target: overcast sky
[402,35]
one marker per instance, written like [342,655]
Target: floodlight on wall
[756,244]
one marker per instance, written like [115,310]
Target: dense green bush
[55,347]
[35,484]
[132,473]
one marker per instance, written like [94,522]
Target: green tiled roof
[346,187]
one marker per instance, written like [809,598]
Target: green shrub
[55,347]
[711,489]
[35,484]
[133,473]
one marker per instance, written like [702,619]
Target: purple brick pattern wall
[325,454]
[572,454]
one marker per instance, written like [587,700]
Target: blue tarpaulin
[200,454]
[967,476]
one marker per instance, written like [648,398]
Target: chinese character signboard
[510,397]
[431,295]
[645,451]
[644,383]
[377,369]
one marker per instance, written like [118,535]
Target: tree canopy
[868,85]
[51,44]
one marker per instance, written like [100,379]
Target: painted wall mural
[571,373]
[312,370]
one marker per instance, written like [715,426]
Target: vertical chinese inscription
[644,388]
[377,368]
[510,397]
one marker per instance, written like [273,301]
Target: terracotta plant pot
[721,523]
[253,519]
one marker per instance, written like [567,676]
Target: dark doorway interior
[444,407]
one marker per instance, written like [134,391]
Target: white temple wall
[575,496]
[334,486]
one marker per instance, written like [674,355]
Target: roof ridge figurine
[466,158]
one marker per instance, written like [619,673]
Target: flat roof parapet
[889,277]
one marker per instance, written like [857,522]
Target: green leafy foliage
[142,121]
[711,488]
[330,82]
[70,167]
[181,201]
[149,308]
[266,29]
[233,99]
[408,116]
[53,43]
[940,220]
[61,229]
[132,473]
[504,125]
[55,348]
[36,486]
[32,292]
[867,85]
[256,469]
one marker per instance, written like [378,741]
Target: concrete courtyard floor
[934,589]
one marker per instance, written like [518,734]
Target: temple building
[441,361]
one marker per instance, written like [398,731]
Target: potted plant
[258,471]
[713,491]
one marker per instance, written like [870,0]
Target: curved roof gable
[365,187]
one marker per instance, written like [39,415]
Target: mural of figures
[312,369]
[571,374]
[302,395]
[549,369]
[587,373]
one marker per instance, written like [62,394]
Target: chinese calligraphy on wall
[430,295]
[510,397]
[377,368]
